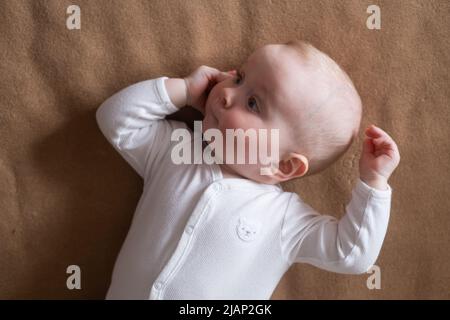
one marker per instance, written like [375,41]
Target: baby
[224,230]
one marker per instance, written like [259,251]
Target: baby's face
[264,95]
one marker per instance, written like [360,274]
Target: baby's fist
[200,82]
[379,158]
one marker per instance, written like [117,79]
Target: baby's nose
[226,102]
[226,98]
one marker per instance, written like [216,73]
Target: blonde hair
[319,135]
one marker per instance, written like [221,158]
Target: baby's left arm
[351,244]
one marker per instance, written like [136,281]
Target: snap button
[158,285]
[246,230]
[189,229]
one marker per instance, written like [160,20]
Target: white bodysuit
[196,235]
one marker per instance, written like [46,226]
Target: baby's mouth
[213,115]
[211,109]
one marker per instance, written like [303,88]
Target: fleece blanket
[67,198]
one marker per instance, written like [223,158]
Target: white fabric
[196,235]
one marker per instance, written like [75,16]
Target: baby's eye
[252,105]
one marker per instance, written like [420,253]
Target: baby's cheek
[237,120]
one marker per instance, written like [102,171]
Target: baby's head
[297,89]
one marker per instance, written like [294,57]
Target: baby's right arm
[131,121]
[131,118]
[177,91]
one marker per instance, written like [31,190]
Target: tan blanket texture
[67,198]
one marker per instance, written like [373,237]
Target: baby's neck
[229,174]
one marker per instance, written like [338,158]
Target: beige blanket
[67,198]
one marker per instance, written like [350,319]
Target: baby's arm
[352,244]
[131,121]
[131,118]
[349,245]
[177,91]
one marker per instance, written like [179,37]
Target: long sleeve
[350,245]
[132,121]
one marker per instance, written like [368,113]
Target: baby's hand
[200,82]
[379,158]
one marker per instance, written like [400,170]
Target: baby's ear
[296,165]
